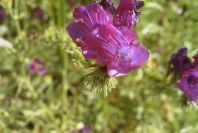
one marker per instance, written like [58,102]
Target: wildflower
[108,6]
[127,14]
[189,84]
[180,62]
[72,3]
[39,14]
[86,129]
[113,47]
[37,67]
[2,14]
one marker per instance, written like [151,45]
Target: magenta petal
[127,14]
[76,31]
[128,34]
[140,56]
[89,53]
[114,70]
[92,15]
[128,58]
[124,13]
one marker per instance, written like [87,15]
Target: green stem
[16,16]
[61,14]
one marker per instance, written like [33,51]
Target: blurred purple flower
[39,13]
[2,14]
[189,84]
[108,6]
[180,62]
[37,67]
[86,129]
[112,47]
[127,14]
[72,3]
[182,65]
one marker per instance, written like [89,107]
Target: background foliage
[145,101]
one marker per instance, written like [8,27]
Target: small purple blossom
[86,129]
[37,67]
[2,14]
[39,13]
[127,14]
[180,62]
[72,3]
[108,6]
[182,65]
[189,84]
[113,47]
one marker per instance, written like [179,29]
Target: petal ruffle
[92,15]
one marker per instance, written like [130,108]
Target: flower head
[86,129]
[37,67]
[180,62]
[189,84]
[39,13]
[115,48]
[127,14]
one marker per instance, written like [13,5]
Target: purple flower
[189,84]
[86,129]
[108,6]
[39,14]
[127,14]
[179,61]
[2,14]
[37,67]
[72,3]
[181,64]
[113,47]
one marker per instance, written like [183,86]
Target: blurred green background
[145,101]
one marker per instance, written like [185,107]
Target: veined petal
[92,15]
[128,34]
